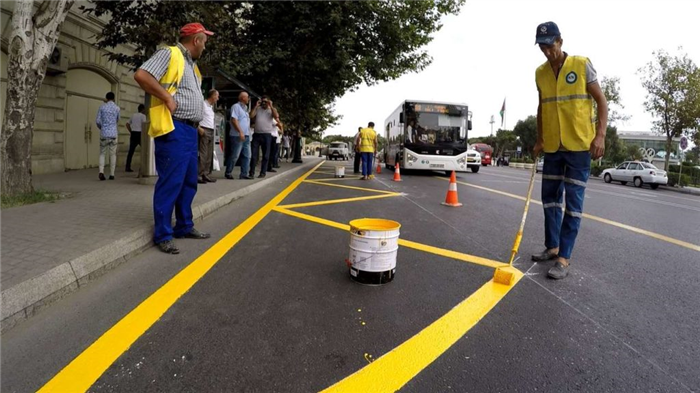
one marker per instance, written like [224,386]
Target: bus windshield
[436,129]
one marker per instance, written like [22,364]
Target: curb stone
[25,299]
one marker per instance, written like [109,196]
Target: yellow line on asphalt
[402,242]
[640,231]
[452,254]
[394,369]
[87,367]
[344,200]
[325,179]
[320,183]
[307,217]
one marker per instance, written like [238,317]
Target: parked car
[638,172]
[540,165]
[338,151]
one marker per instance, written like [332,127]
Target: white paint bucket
[373,247]
[340,171]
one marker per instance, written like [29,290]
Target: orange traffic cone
[397,173]
[451,198]
[379,168]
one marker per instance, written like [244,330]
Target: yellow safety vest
[160,117]
[567,108]
[367,138]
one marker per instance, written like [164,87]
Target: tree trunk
[33,38]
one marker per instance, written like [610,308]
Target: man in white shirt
[275,147]
[135,126]
[206,138]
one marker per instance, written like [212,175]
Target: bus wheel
[475,168]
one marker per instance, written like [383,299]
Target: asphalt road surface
[267,304]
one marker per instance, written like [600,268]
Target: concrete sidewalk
[51,249]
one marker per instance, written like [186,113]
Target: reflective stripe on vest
[567,108]
[367,137]
[161,120]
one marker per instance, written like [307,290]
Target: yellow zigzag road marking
[334,201]
[349,187]
[640,231]
[87,367]
[406,243]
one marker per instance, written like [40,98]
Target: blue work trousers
[176,164]
[239,149]
[367,163]
[564,171]
[261,140]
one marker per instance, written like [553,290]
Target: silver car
[638,172]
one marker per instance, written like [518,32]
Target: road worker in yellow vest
[174,82]
[570,135]
[368,147]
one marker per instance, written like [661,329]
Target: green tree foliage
[615,150]
[633,153]
[303,54]
[504,140]
[673,96]
[611,89]
[527,131]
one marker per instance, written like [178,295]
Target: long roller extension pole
[519,235]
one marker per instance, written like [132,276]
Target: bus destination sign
[431,108]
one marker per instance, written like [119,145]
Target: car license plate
[437,165]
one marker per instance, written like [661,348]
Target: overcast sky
[487,53]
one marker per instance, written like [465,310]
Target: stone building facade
[65,134]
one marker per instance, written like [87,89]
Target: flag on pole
[503,111]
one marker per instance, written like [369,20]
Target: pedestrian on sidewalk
[239,137]
[358,154]
[368,147]
[173,80]
[569,136]
[107,120]
[286,146]
[206,138]
[275,148]
[135,126]
[263,114]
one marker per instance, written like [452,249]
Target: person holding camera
[264,115]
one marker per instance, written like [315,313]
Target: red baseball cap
[193,28]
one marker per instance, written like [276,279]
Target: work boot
[168,247]
[558,271]
[195,234]
[546,255]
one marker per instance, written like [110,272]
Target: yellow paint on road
[325,179]
[320,183]
[402,242]
[87,367]
[393,370]
[631,228]
[452,254]
[344,200]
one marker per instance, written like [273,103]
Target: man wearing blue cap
[570,136]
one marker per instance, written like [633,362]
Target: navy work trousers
[564,171]
[176,164]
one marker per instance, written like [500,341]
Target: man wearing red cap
[173,81]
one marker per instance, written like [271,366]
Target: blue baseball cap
[547,33]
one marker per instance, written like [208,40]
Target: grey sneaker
[558,271]
[168,247]
[545,255]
